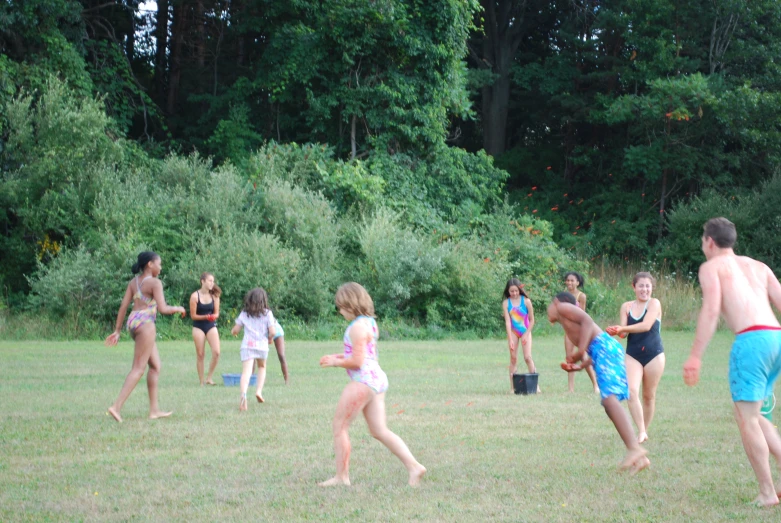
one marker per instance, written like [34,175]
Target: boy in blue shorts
[606,355]
[741,290]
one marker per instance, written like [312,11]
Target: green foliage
[754,214]
[398,265]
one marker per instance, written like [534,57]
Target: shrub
[397,265]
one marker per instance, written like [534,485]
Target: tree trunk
[504,29]
[177,37]
[161,43]
[200,32]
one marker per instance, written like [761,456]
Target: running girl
[574,283]
[518,322]
[366,390]
[641,319]
[258,323]
[204,311]
[146,293]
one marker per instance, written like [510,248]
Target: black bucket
[525,383]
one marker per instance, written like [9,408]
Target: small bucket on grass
[525,383]
[232,380]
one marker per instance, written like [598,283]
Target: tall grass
[610,284]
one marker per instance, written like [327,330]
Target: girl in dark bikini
[204,311]
[574,283]
[641,320]
[146,293]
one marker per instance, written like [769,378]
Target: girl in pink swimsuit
[145,291]
[366,390]
[518,323]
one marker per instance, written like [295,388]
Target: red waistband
[759,328]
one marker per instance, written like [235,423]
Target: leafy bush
[755,216]
[398,266]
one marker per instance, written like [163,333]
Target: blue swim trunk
[278,332]
[754,364]
[607,356]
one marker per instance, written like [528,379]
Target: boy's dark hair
[722,231]
[565,297]
[256,302]
[510,283]
[577,276]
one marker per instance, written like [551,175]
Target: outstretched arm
[706,322]
[508,327]
[528,333]
[162,306]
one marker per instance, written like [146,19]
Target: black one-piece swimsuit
[204,309]
[644,346]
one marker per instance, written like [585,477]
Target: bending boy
[741,289]
[597,348]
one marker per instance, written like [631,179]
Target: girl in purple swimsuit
[366,390]
[145,291]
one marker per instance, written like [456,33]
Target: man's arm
[773,289]
[706,321]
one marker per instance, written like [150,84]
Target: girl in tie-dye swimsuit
[141,316]
[141,325]
[518,321]
[366,390]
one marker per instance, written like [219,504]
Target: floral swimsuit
[370,373]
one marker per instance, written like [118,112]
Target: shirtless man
[606,355]
[741,289]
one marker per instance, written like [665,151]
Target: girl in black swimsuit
[204,311]
[641,320]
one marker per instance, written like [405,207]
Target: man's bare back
[744,287]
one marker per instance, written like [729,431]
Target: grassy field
[490,455]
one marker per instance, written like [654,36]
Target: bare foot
[632,456]
[335,481]
[210,382]
[640,464]
[259,397]
[643,437]
[115,414]
[243,404]
[416,474]
[159,414]
[763,502]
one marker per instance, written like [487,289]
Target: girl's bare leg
[354,398]
[514,361]
[652,373]
[261,380]
[374,412]
[144,343]
[634,377]
[213,337]
[569,348]
[527,357]
[151,384]
[246,372]
[279,343]
[200,341]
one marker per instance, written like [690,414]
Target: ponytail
[143,260]
[216,291]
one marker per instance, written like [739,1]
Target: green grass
[490,455]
